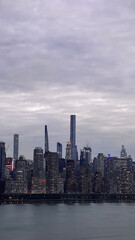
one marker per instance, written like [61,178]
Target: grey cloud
[63,57]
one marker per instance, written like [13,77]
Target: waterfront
[113,221]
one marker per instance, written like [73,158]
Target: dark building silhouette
[112,174]
[38,171]
[100,164]
[2,160]
[97,183]
[73,136]
[62,165]
[85,179]
[16,147]
[52,172]
[94,165]
[59,149]
[70,183]
[85,156]
[46,140]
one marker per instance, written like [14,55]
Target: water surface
[91,221]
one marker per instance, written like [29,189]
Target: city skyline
[68,57]
[67,119]
[72,145]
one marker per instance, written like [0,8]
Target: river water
[91,221]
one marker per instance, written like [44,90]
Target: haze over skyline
[68,57]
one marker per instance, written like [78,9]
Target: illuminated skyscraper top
[73,136]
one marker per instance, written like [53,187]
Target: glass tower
[16,147]
[73,136]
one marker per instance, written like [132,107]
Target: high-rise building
[68,151]
[123,153]
[46,140]
[62,165]
[100,163]
[85,156]
[73,136]
[38,184]
[21,169]
[59,149]
[18,184]
[38,168]
[16,147]
[9,163]
[2,160]
[85,179]
[52,172]
[70,183]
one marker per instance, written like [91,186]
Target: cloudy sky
[63,57]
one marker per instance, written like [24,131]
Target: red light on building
[41,180]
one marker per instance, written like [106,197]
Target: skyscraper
[73,136]
[59,149]
[85,156]
[46,140]
[123,153]
[100,163]
[52,172]
[9,163]
[2,160]
[21,171]
[38,185]
[85,179]
[70,183]
[38,168]
[16,147]
[68,151]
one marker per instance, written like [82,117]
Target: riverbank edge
[46,198]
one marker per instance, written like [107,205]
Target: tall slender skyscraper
[46,140]
[73,136]
[16,147]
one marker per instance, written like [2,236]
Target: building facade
[52,172]
[2,160]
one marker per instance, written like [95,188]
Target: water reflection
[68,221]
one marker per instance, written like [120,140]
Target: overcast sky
[63,57]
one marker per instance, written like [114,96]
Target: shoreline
[65,198]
